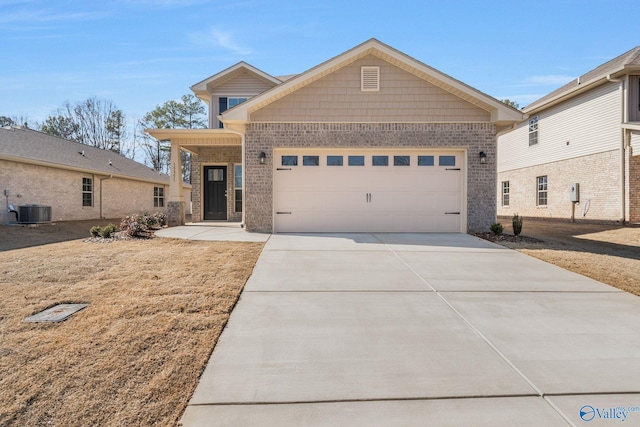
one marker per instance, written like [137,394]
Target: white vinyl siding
[589,123]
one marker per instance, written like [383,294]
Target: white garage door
[368,191]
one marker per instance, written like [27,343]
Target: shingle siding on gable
[244,84]
[481,190]
[402,97]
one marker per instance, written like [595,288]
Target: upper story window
[533,131]
[227,102]
[634,98]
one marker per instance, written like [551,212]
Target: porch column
[175,204]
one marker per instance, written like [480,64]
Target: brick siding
[474,137]
[62,190]
[600,193]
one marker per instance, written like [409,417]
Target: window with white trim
[533,131]
[87,191]
[505,193]
[370,79]
[541,193]
[158,197]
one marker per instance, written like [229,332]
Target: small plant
[517,224]
[133,225]
[161,219]
[95,231]
[107,230]
[496,228]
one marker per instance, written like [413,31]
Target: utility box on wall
[574,192]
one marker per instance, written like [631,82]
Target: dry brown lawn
[134,355]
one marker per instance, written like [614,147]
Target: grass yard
[134,355]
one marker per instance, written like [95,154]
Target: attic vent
[370,79]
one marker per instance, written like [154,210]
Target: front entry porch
[217,174]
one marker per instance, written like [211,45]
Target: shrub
[133,225]
[95,231]
[517,224]
[141,225]
[107,230]
[149,221]
[496,228]
[161,219]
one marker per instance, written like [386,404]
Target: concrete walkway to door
[419,329]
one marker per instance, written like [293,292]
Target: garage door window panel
[401,160]
[446,160]
[335,161]
[380,160]
[426,161]
[356,160]
[289,161]
[310,160]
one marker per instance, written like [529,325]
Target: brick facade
[633,185]
[209,156]
[600,192]
[473,137]
[62,190]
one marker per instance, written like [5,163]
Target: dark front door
[215,192]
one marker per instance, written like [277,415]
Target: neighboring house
[371,140]
[77,181]
[586,133]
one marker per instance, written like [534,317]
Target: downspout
[623,132]
[103,179]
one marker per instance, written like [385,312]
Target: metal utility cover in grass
[57,313]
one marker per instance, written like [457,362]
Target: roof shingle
[31,145]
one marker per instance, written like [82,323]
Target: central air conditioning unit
[34,214]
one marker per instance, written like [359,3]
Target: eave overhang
[191,139]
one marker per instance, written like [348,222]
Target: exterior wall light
[262,156]
[483,157]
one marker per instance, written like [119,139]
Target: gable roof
[29,146]
[201,88]
[628,61]
[500,112]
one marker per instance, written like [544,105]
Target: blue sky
[141,53]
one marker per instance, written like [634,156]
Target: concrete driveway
[420,329]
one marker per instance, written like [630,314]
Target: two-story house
[577,153]
[371,140]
